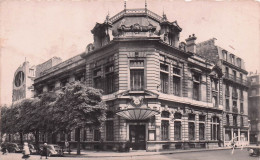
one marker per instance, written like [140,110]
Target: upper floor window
[227,90]
[234,74]
[214,101]
[227,105]
[232,58]
[109,82]
[234,120]
[196,86]
[97,72]
[241,108]
[239,62]
[227,120]
[224,54]
[164,79]
[241,121]
[214,84]
[176,81]
[137,75]
[31,72]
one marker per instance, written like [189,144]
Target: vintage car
[12,147]
[253,150]
[53,150]
[32,149]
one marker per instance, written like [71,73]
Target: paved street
[205,155]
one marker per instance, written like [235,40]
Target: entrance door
[137,137]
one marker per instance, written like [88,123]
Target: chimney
[191,44]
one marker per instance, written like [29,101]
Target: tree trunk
[21,138]
[36,135]
[78,141]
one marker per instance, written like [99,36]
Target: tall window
[191,126]
[202,127]
[239,62]
[215,128]
[234,93]
[234,74]
[109,130]
[109,88]
[241,94]
[227,105]
[227,90]
[97,78]
[176,81]
[227,71]
[196,86]
[227,120]
[137,75]
[241,108]
[164,78]
[165,129]
[241,121]
[97,135]
[177,126]
[234,120]
[224,54]
[215,101]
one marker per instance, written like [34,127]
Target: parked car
[53,150]
[253,150]
[32,149]
[12,147]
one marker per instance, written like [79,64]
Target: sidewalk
[85,153]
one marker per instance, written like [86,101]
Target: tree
[79,106]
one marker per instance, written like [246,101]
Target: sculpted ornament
[137,101]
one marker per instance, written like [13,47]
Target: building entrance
[137,137]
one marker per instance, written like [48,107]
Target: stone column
[171,122]
[197,127]
[208,127]
[158,127]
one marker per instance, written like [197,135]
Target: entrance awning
[137,113]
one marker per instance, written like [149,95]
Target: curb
[155,153]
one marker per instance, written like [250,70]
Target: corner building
[160,94]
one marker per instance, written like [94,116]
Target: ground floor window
[201,131]
[215,128]
[191,131]
[97,135]
[109,131]
[165,130]
[227,135]
[177,130]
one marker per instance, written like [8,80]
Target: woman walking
[26,151]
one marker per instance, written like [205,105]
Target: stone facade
[253,107]
[161,93]
[234,91]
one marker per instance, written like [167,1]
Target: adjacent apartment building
[160,93]
[234,92]
[254,107]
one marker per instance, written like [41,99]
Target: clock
[19,79]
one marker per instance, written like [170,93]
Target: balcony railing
[234,95]
[235,110]
[227,94]
[227,108]
[233,78]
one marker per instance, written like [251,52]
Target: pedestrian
[44,151]
[26,151]
[67,146]
[4,149]
[233,146]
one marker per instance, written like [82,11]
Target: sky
[41,29]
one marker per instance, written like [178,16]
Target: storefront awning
[137,113]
